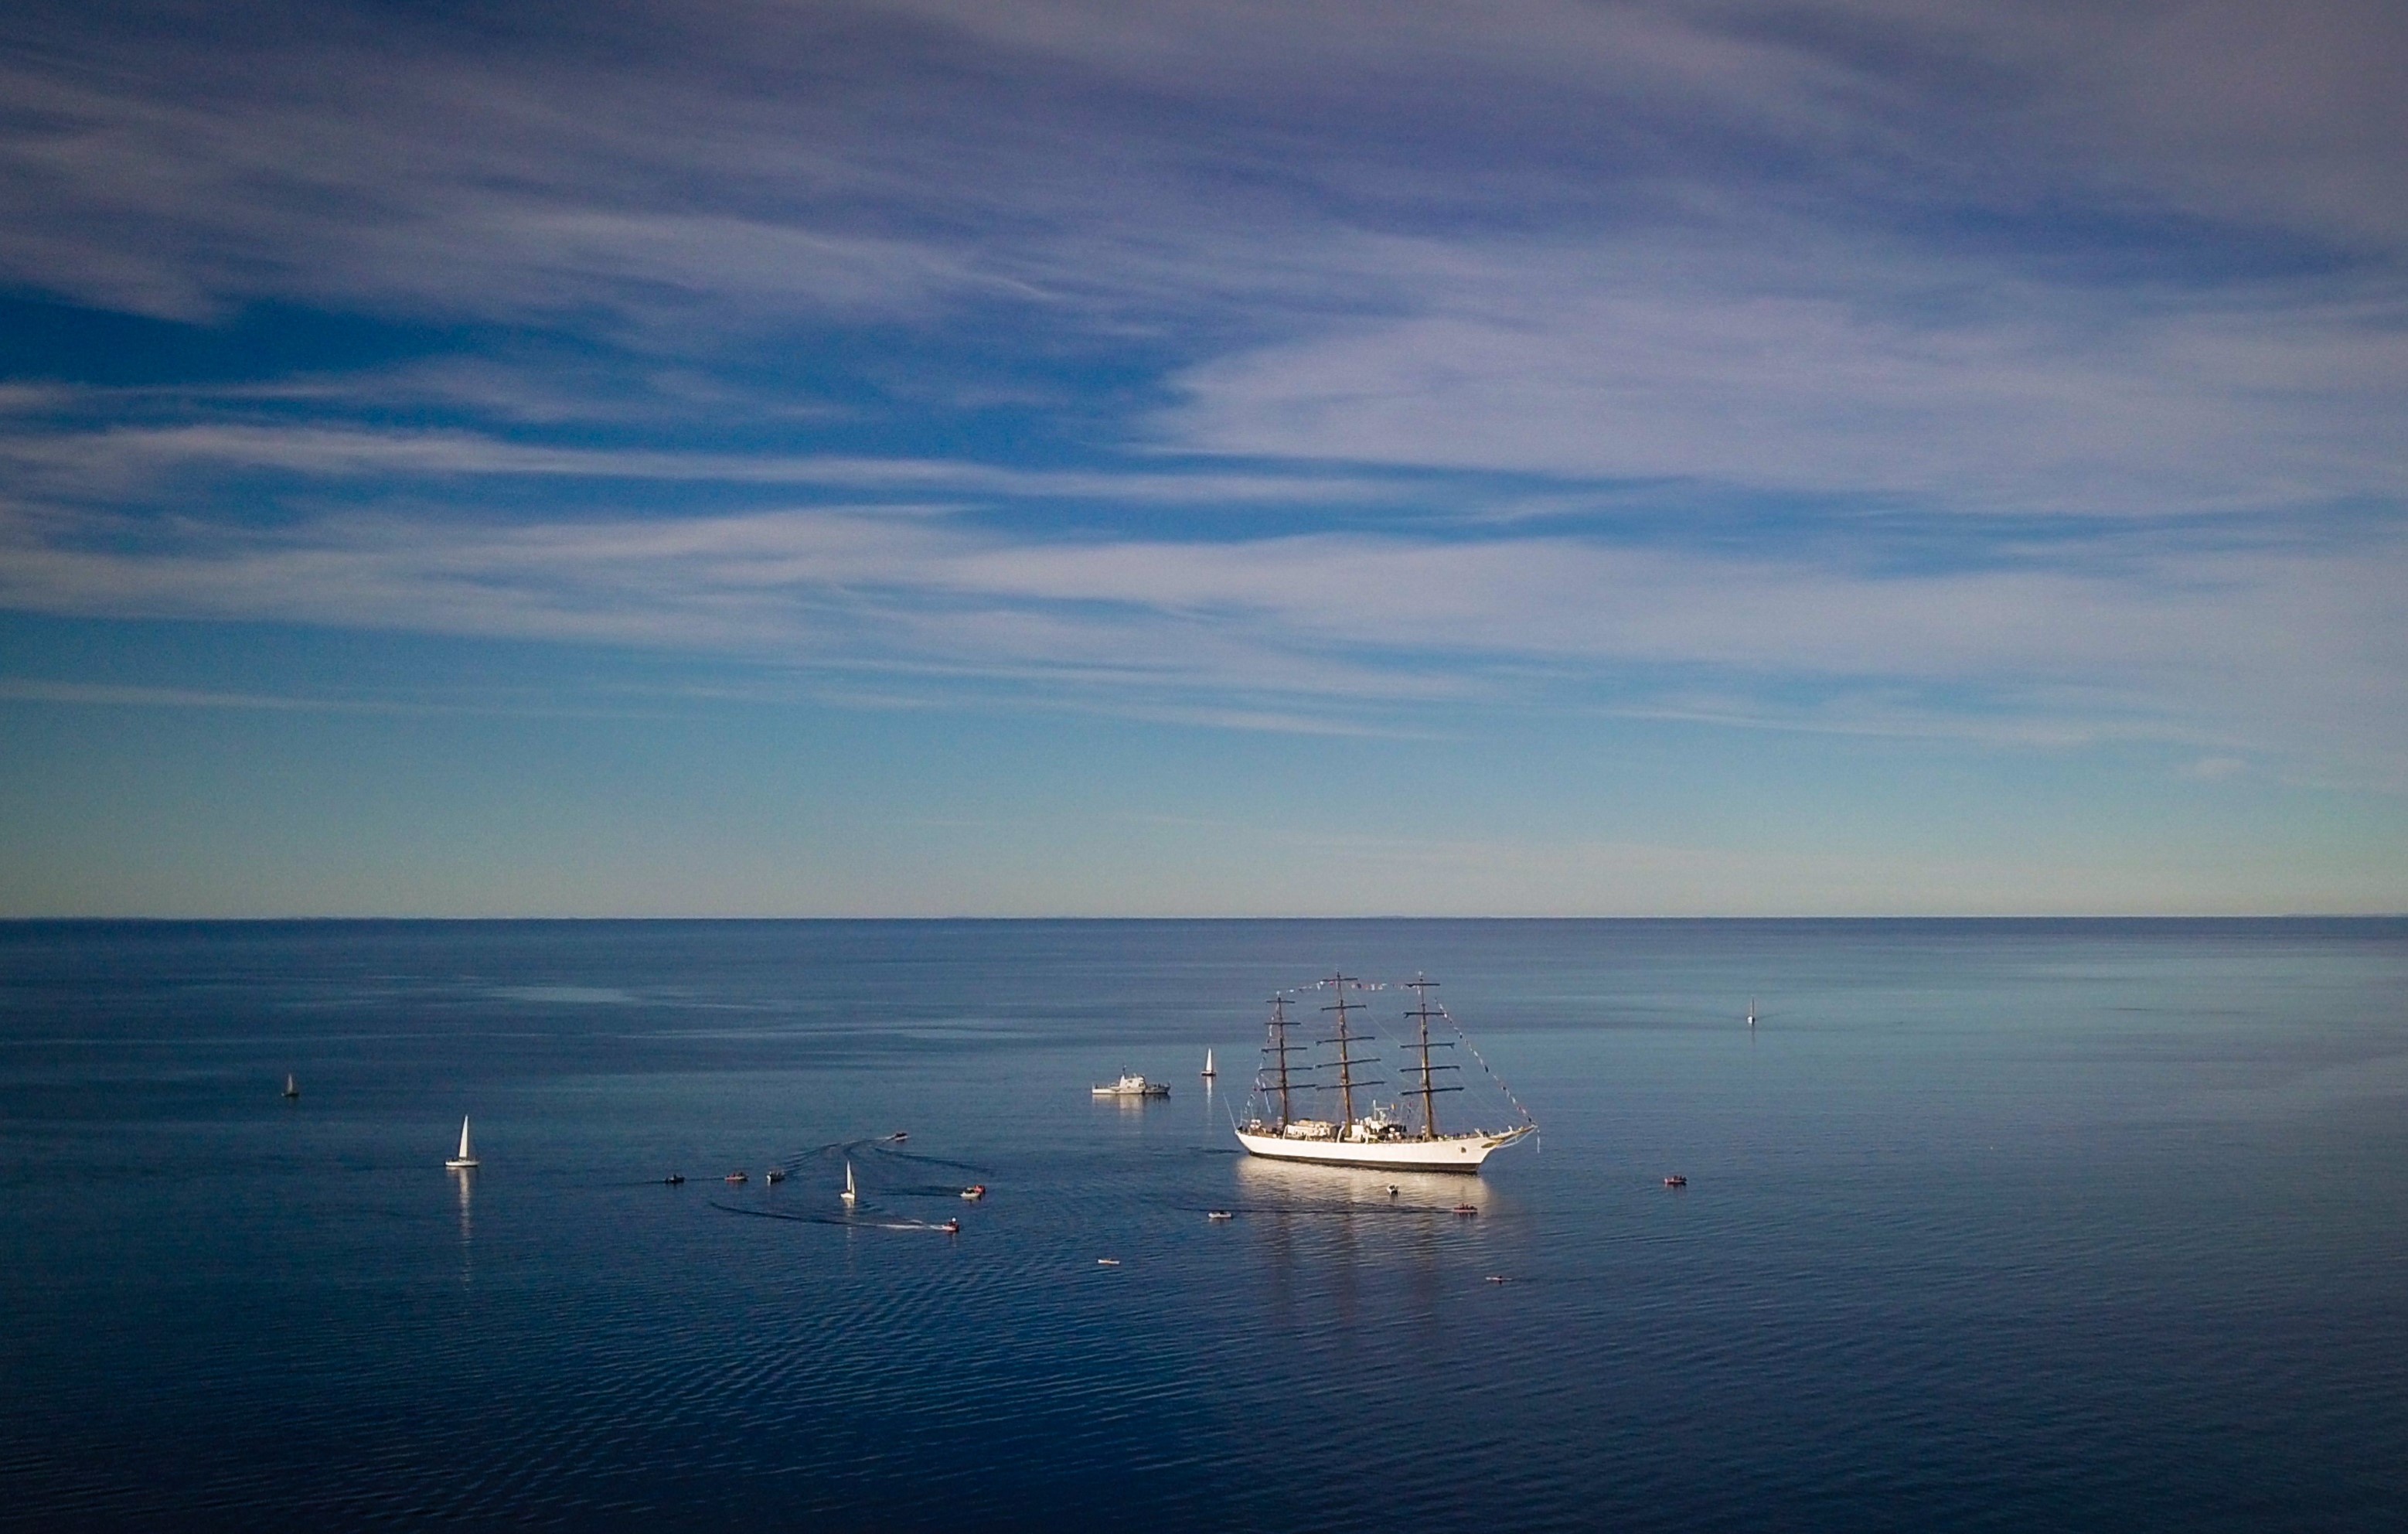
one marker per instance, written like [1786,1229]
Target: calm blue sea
[1988,1224]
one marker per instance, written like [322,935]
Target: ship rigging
[1378,1139]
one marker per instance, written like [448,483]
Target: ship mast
[1422,1014]
[1345,1061]
[1278,1050]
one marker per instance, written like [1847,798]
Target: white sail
[1208,1064]
[467,1158]
[849,1194]
[464,1137]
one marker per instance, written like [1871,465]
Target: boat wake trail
[1381,1208]
[860,1222]
[890,1151]
[880,1145]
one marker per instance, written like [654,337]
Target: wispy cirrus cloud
[2283,653]
[1868,373]
[124,458]
[1879,266]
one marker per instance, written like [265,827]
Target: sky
[936,458]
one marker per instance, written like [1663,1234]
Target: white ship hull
[1447,1153]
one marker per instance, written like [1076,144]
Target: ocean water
[1988,1224]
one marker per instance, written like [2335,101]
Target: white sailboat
[1381,1138]
[850,1194]
[292,1088]
[466,1158]
[1208,1072]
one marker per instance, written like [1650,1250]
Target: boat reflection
[1303,1188]
[465,1182]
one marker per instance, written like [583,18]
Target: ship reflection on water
[1301,1189]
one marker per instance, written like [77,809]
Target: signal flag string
[1466,1040]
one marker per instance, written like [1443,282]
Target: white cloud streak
[1603,364]
[2045,263]
[1732,242]
[2288,655]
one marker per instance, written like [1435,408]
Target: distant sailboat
[292,1088]
[1208,1072]
[466,1158]
[850,1194]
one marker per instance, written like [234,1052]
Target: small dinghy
[736,1177]
[1466,1211]
[1676,1180]
[774,1175]
[674,1179]
[1216,1214]
[467,1159]
[974,1192]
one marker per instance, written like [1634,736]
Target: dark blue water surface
[2010,1226]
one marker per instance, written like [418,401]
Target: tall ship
[1389,1136]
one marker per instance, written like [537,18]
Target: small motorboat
[1216,1214]
[1108,1262]
[675,1180]
[950,1227]
[774,1175]
[1467,1210]
[1676,1180]
[898,1137]
[974,1192]
[736,1177]
[1499,1278]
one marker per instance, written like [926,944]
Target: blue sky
[936,458]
